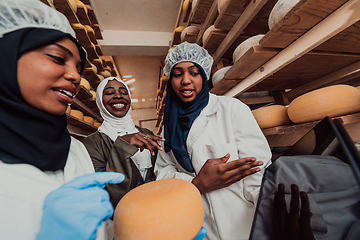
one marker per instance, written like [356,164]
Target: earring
[71,74]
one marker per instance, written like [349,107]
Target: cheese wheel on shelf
[271,116]
[68,110]
[189,30]
[105,73]
[93,94]
[186,5]
[219,74]
[331,101]
[85,83]
[245,46]
[97,124]
[76,113]
[101,77]
[89,120]
[280,9]
[160,210]
[179,29]
[208,32]
[73,5]
[81,5]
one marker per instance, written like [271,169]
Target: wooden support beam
[208,21]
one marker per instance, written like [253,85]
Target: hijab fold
[178,119]
[29,135]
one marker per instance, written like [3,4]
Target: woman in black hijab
[40,75]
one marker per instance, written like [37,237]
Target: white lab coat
[225,125]
[24,187]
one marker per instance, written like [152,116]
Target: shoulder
[94,137]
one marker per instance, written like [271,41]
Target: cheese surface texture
[160,210]
[271,116]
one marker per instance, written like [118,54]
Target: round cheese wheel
[93,94]
[189,29]
[271,116]
[73,5]
[221,5]
[105,73]
[76,113]
[186,5]
[97,124]
[101,77]
[160,210]
[78,26]
[81,5]
[219,74]
[208,31]
[85,83]
[193,5]
[93,67]
[68,110]
[280,9]
[358,87]
[89,120]
[332,101]
[246,45]
[179,29]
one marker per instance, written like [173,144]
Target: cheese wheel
[280,9]
[73,5]
[271,116]
[221,5]
[85,83]
[93,94]
[81,5]
[89,120]
[193,5]
[179,29]
[68,110]
[207,33]
[189,29]
[160,210]
[101,77]
[332,101]
[93,67]
[97,124]
[186,5]
[246,45]
[219,74]
[105,73]
[76,113]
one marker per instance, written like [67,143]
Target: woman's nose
[186,78]
[73,75]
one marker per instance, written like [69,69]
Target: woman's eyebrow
[64,48]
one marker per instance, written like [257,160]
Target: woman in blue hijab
[213,142]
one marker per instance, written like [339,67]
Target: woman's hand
[218,173]
[291,225]
[144,141]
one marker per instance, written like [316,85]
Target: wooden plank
[64,7]
[91,14]
[250,12]
[190,37]
[280,97]
[81,35]
[90,75]
[230,13]
[223,86]
[82,15]
[176,38]
[341,75]
[200,11]
[83,106]
[257,100]
[250,61]
[310,67]
[97,30]
[208,21]
[323,31]
[83,93]
[91,52]
[214,40]
[301,18]
[80,124]
[77,132]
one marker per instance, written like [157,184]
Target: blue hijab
[178,118]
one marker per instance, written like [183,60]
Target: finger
[279,212]
[99,179]
[143,143]
[155,144]
[225,158]
[156,138]
[243,163]
[305,213]
[294,204]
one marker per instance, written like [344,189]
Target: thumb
[225,158]
[98,179]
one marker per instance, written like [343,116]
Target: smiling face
[186,81]
[116,98]
[49,76]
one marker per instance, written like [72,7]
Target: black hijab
[178,119]
[28,135]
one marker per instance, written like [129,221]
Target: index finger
[98,179]
[156,138]
[238,163]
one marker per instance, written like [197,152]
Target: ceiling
[136,33]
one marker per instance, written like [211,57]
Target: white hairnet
[188,52]
[18,14]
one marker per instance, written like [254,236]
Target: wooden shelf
[83,94]
[80,124]
[88,107]
[200,12]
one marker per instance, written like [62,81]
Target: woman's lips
[187,93]
[64,95]
[118,106]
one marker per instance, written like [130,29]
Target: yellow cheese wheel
[97,124]
[93,67]
[186,5]
[189,30]
[81,5]
[207,33]
[246,45]
[93,94]
[280,9]
[76,113]
[332,101]
[85,83]
[89,120]
[73,5]
[271,116]
[68,110]
[160,210]
[179,29]
[105,73]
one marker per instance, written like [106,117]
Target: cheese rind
[271,116]
[160,210]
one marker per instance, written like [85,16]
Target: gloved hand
[202,233]
[75,210]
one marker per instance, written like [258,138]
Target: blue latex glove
[76,209]
[202,233]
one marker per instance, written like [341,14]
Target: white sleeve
[251,142]
[166,166]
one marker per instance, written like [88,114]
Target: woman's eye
[177,74]
[57,59]
[108,93]
[194,73]
[124,93]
